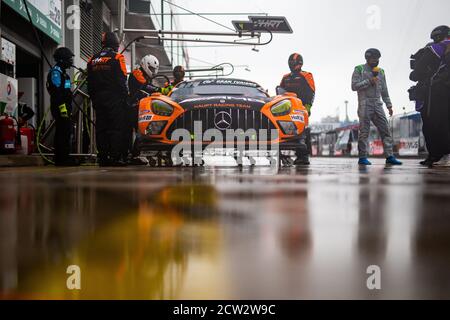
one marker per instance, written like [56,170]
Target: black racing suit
[59,88]
[139,88]
[432,69]
[107,87]
[302,84]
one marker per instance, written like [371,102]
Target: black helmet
[110,40]
[440,33]
[64,56]
[63,53]
[372,53]
[295,62]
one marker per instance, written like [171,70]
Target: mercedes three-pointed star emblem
[223,120]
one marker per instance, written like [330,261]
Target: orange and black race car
[221,104]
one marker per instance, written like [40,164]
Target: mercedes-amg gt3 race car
[230,107]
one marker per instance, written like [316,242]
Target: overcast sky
[332,36]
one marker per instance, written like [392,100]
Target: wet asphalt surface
[225,232]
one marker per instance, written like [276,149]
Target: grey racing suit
[370,108]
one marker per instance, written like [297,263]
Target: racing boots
[393,161]
[364,162]
[428,162]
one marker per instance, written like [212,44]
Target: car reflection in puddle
[163,246]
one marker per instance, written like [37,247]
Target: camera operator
[431,95]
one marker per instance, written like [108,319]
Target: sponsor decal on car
[223,99]
[228,82]
[222,102]
[222,105]
[297,118]
[141,112]
[145,118]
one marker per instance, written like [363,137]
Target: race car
[222,104]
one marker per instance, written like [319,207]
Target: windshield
[218,87]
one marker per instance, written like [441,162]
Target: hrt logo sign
[272,24]
[263,24]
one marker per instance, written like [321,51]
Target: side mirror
[280,91]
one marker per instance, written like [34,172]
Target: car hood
[222,101]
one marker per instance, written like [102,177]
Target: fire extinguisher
[27,135]
[8,134]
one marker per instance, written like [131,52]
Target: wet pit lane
[226,233]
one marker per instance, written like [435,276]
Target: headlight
[161,108]
[288,127]
[282,108]
[155,127]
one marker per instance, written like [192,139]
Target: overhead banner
[263,24]
[46,15]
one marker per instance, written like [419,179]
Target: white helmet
[150,65]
